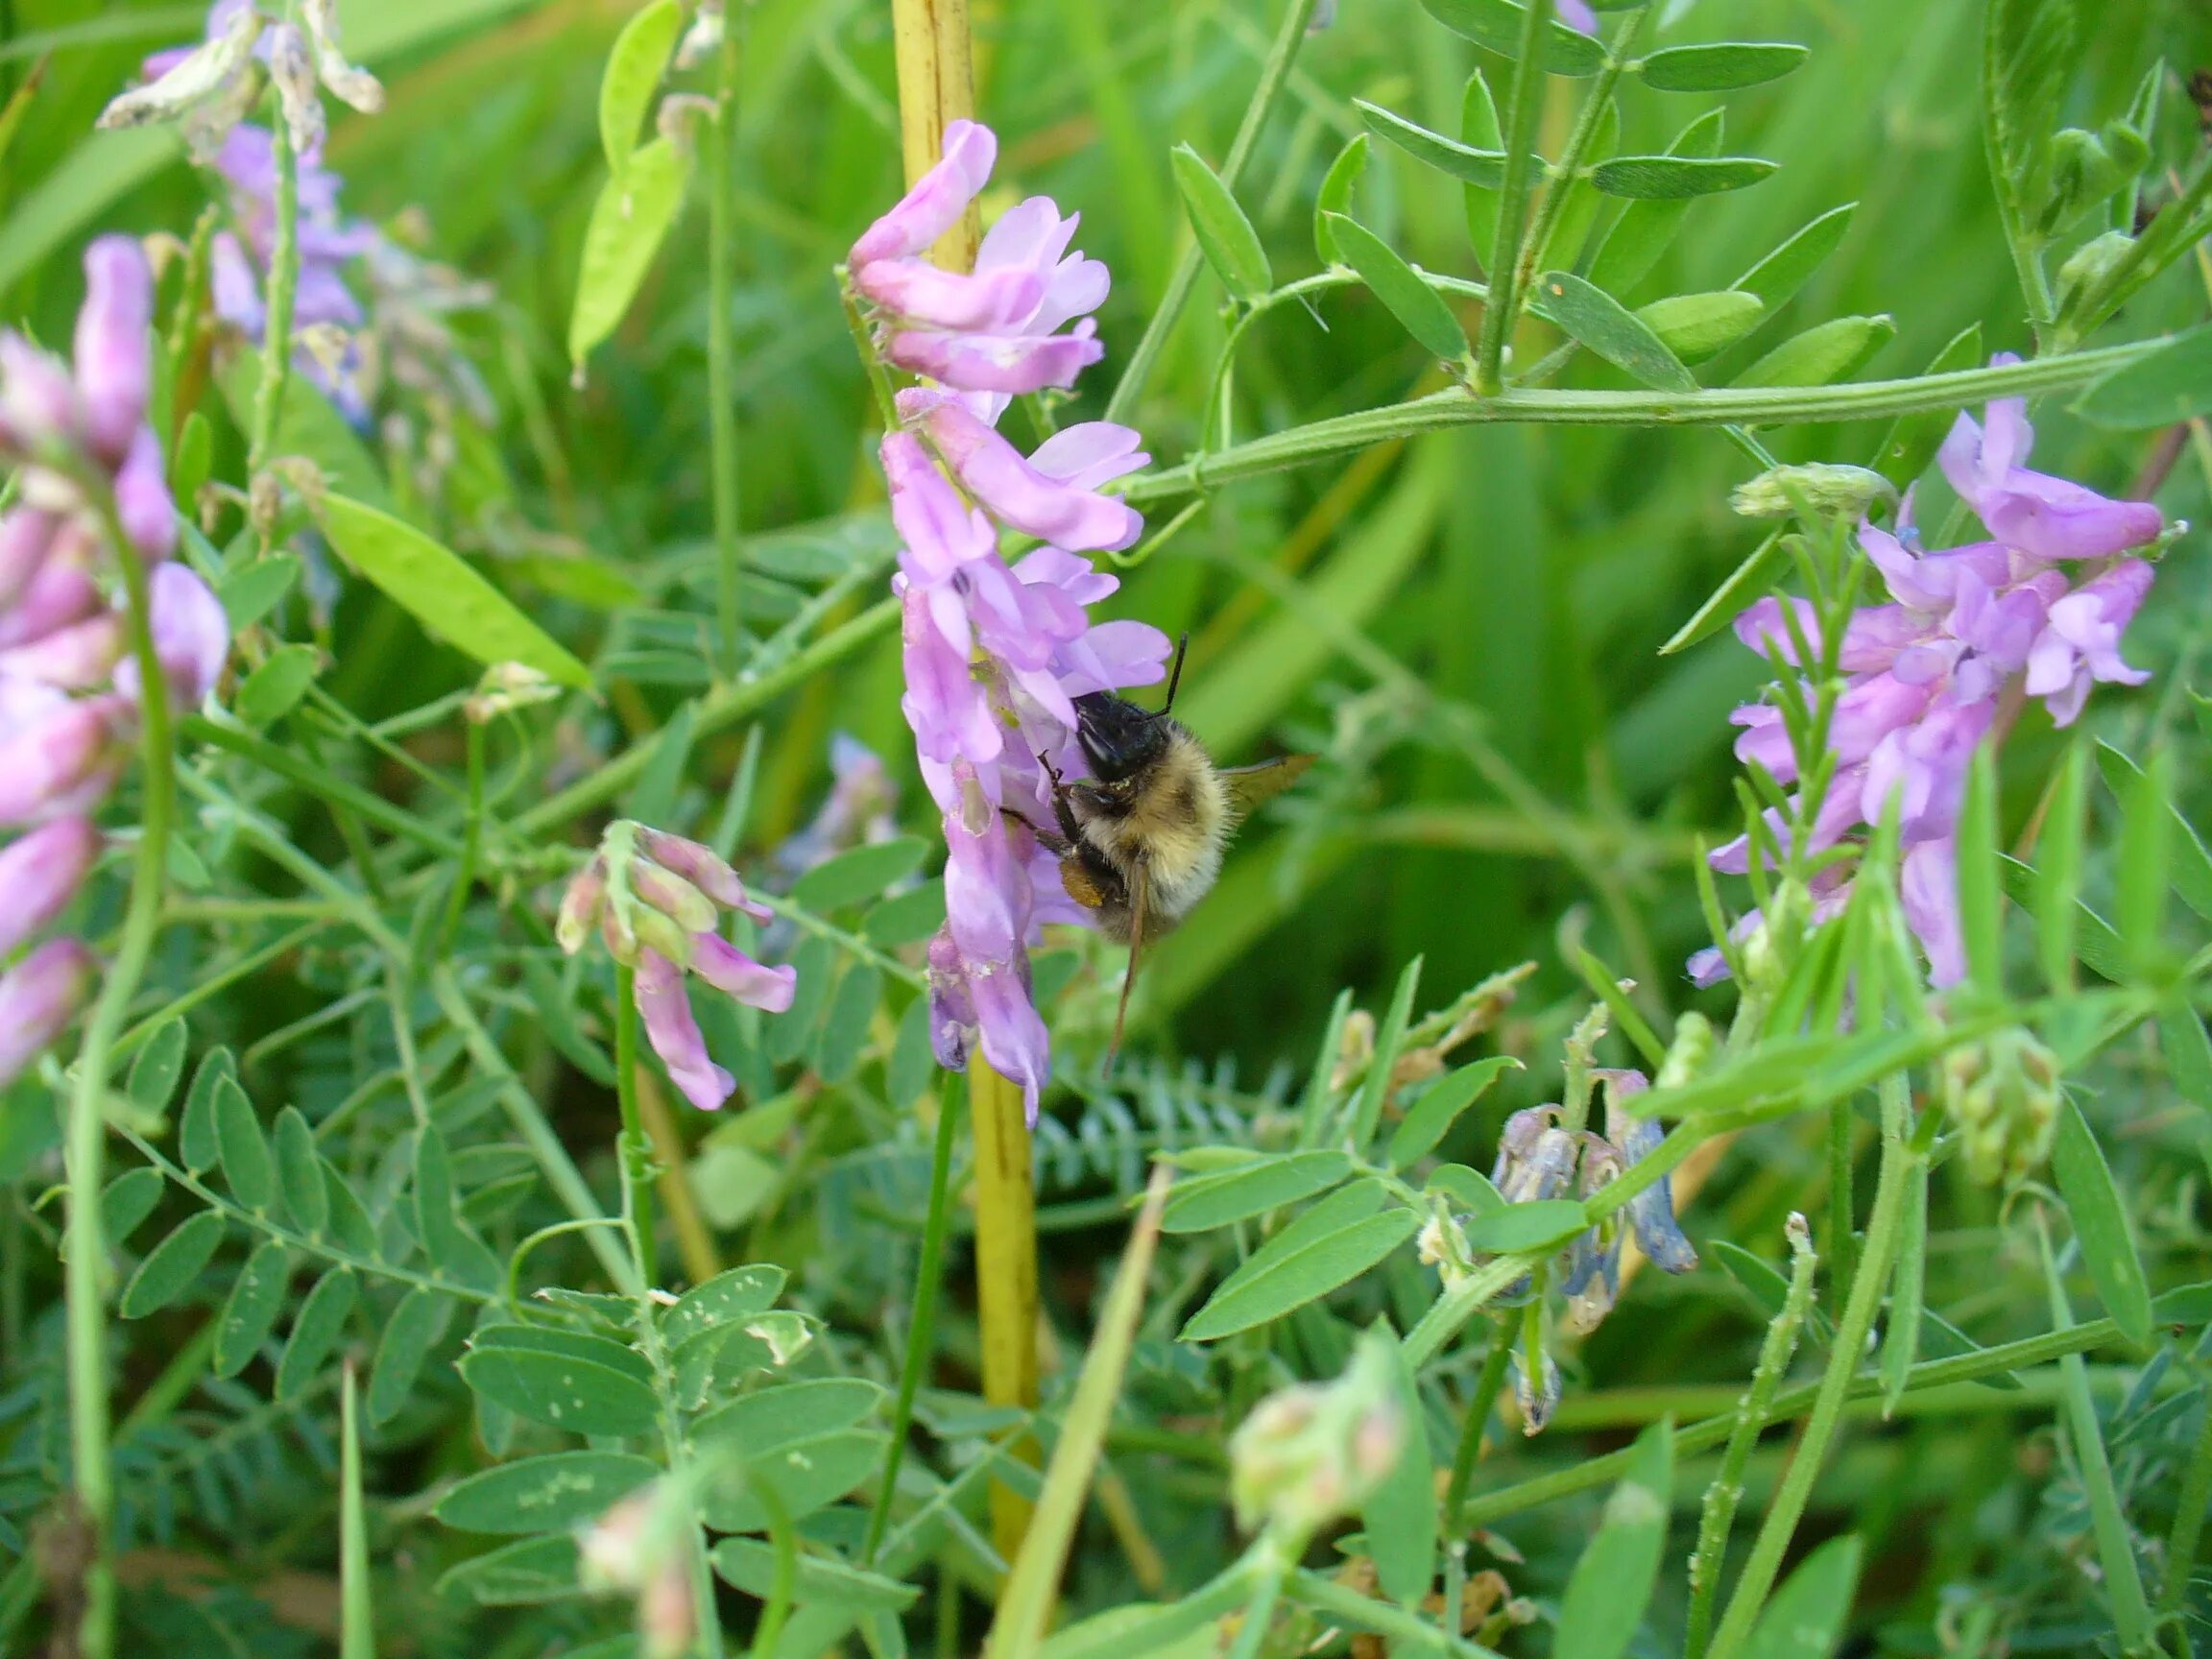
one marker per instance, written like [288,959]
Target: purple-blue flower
[1937,671]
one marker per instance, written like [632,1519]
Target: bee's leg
[1057,844]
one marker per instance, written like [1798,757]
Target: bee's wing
[1250,786]
[1140,918]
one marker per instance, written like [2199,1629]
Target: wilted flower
[69,696]
[1309,1453]
[656,901]
[995,655]
[1931,675]
[210,87]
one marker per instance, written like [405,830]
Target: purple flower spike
[2081,642]
[674,1033]
[2042,516]
[56,754]
[40,872]
[938,199]
[191,636]
[997,363]
[38,997]
[113,357]
[1928,884]
[1052,496]
[39,404]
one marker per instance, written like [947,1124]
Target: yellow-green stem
[1006,1271]
[635,1152]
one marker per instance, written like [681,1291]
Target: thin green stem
[778,1608]
[1851,1330]
[922,1324]
[1271,1565]
[1594,103]
[320,781]
[1726,1492]
[2188,1523]
[88,1266]
[1145,358]
[1523,105]
[2115,1545]
[283,288]
[1715,407]
[1842,1241]
[1476,1424]
[721,346]
[635,1152]
[471,844]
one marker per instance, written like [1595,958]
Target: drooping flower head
[996,653]
[70,698]
[2036,611]
[656,901]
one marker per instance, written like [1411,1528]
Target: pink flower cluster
[656,901]
[995,654]
[69,705]
[1969,631]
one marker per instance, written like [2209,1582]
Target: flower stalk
[283,292]
[636,1151]
[721,347]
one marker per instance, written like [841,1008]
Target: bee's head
[1118,738]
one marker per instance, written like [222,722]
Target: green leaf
[560,1391]
[2028,60]
[273,689]
[806,1475]
[1399,1514]
[1419,308]
[864,873]
[628,223]
[1720,67]
[845,1022]
[315,1331]
[907,918]
[1779,276]
[1469,1188]
[2172,384]
[1600,322]
[198,1145]
[751,1566]
[1980,894]
[729,1295]
[309,424]
[1913,438]
[2188,861]
[563,1343]
[154,1073]
[1374,1088]
[1522,1228]
[775,1417]
[1226,237]
[1438,1106]
[128,1200]
[172,1266]
[1207,1201]
[2100,1225]
[1645,230]
[1806,1618]
[2147,819]
[251,593]
[522,1574]
[1694,326]
[1826,351]
[1336,196]
[1744,584]
[1676,178]
[1907,1290]
[1611,1583]
[1478,130]
[246,1161]
[250,1314]
[349,1222]
[440,589]
[544,1494]
[1302,1263]
[299,1172]
[2188,1052]
[1482,167]
[1497,25]
[633,74]
[409,1335]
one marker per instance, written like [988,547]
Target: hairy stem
[1273,73]
[1523,103]
[636,1151]
[721,347]
[86,1292]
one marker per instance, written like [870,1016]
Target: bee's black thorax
[1118,738]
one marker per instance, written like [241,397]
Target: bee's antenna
[1175,678]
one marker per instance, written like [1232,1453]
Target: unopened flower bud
[1309,1453]
[2003,1095]
[672,896]
[580,905]
[38,997]
[702,865]
[1820,488]
[143,504]
[39,406]
[25,536]
[114,359]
